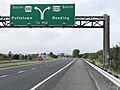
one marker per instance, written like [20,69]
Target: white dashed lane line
[3,76]
[41,66]
[33,68]
[21,71]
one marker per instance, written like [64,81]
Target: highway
[26,77]
[68,74]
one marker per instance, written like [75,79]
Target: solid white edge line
[94,80]
[106,74]
[21,71]
[41,66]
[33,68]
[3,76]
[39,84]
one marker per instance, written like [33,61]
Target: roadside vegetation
[12,60]
[10,56]
[14,64]
[97,59]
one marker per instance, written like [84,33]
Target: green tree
[26,57]
[53,55]
[16,56]
[44,54]
[62,54]
[115,57]
[9,55]
[75,52]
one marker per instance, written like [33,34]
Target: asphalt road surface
[75,77]
[26,77]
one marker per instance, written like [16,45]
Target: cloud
[61,40]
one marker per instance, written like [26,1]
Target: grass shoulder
[99,64]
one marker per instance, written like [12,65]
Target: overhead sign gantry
[41,18]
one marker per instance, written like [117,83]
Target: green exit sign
[42,14]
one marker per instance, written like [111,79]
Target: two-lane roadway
[26,77]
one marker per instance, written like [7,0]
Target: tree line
[11,56]
[114,59]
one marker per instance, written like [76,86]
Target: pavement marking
[39,84]
[94,80]
[21,71]
[33,68]
[41,66]
[3,76]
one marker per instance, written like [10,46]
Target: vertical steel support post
[118,88]
[106,42]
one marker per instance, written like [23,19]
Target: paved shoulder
[76,78]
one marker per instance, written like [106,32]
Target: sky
[61,40]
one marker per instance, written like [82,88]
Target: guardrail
[110,77]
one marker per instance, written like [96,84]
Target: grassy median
[8,65]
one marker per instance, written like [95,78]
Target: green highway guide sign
[42,14]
